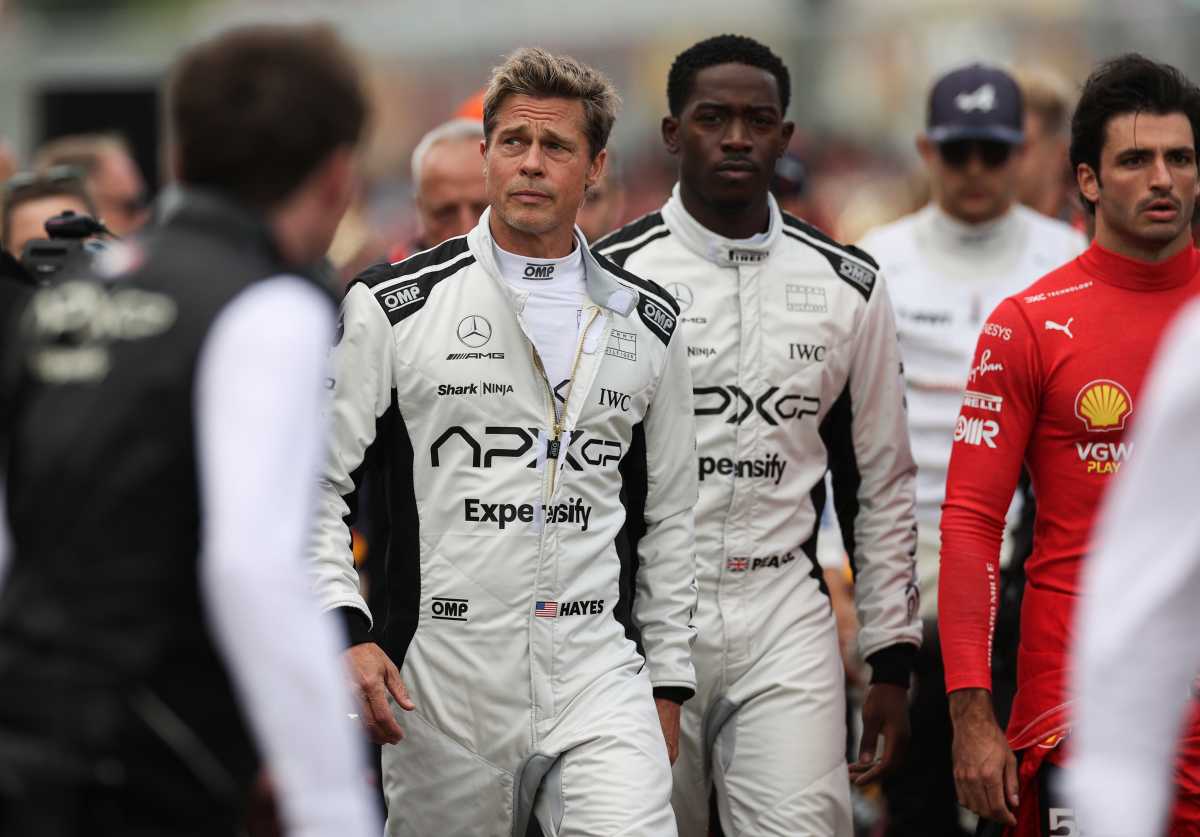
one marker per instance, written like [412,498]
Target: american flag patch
[737,565]
[549,609]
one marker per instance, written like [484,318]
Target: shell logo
[1103,406]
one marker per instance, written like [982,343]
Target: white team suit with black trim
[795,367]
[512,563]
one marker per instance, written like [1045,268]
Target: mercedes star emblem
[474,331]
[682,294]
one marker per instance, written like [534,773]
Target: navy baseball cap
[976,103]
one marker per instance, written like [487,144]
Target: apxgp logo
[715,401]
[474,331]
[588,449]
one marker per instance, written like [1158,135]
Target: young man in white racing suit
[796,370]
[531,404]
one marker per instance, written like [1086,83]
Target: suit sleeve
[1135,647]
[666,590]
[999,409]
[866,435]
[362,381]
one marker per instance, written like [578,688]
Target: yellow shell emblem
[1103,406]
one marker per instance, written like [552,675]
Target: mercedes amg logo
[682,294]
[474,331]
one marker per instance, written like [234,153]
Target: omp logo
[474,331]
[682,294]
[622,344]
[452,610]
[582,449]
[573,513]
[982,100]
[1103,457]
[857,274]
[806,298]
[1103,406]
[401,297]
[976,431]
[771,406]
[539,271]
[983,401]
[614,399]
[806,351]
[769,467]
[658,315]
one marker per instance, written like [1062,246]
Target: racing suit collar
[602,285]
[726,252]
[951,233]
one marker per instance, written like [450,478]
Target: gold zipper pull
[554,446]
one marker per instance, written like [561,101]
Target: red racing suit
[1055,383]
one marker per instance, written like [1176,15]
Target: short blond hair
[1049,97]
[531,71]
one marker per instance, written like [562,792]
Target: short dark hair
[255,110]
[1130,83]
[723,49]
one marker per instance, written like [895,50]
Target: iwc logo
[474,331]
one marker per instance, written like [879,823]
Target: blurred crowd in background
[862,72]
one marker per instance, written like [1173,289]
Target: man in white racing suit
[541,485]
[796,370]
[948,266]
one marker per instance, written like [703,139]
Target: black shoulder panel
[402,299]
[630,232]
[846,260]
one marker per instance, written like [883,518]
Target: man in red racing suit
[1055,383]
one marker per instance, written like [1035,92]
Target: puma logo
[1065,329]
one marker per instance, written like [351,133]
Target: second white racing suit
[796,370]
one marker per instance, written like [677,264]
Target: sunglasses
[957,153]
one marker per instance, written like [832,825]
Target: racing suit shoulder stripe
[809,231]
[402,296]
[448,250]
[849,268]
[620,254]
[630,232]
[837,435]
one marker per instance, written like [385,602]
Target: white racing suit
[540,573]
[796,370]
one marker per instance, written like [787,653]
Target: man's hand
[985,769]
[885,712]
[374,677]
[668,717]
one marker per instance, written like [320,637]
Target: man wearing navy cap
[949,264]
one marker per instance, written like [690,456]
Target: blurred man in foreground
[1136,654]
[948,264]
[796,369]
[157,638]
[1057,375]
[111,175]
[530,406]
